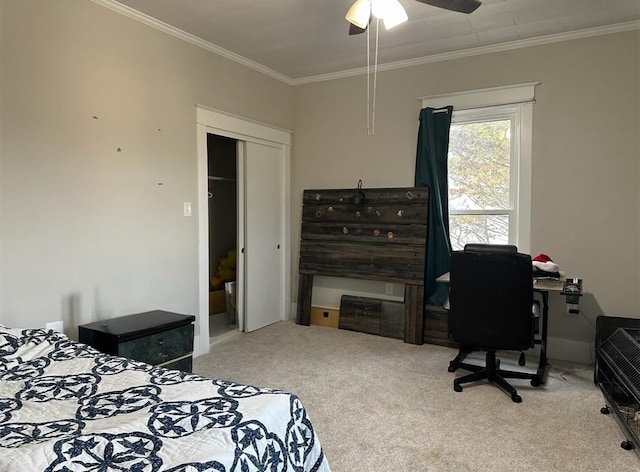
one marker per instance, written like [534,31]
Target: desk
[543,287]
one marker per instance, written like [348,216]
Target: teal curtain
[431,171]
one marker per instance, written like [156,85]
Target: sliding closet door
[263,235]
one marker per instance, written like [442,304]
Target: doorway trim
[221,123]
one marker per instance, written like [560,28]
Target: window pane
[479,160]
[489,229]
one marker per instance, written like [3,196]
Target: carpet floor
[379,404]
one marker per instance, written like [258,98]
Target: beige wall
[586,157]
[87,231]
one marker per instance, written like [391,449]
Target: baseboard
[570,350]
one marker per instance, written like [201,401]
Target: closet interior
[223,223]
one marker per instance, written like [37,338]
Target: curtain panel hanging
[431,171]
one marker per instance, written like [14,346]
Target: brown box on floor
[325,316]
[217,302]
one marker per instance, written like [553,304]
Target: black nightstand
[157,337]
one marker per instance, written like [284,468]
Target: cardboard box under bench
[323,316]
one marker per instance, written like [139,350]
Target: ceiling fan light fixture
[390,11]
[359,13]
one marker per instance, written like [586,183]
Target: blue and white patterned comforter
[67,407]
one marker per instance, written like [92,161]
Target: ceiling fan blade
[462,6]
[353,29]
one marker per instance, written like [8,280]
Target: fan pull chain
[371,100]
[368,82]
[375,80]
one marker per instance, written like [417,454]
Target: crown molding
[523,43]
[447,56]
[189,38]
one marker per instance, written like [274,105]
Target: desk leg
[543,336]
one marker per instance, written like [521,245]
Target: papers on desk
[548,284]
[540,275]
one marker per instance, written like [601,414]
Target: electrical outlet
[388,289]
[187,208]
[57,326]
[573,309]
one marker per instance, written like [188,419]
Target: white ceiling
[305,40]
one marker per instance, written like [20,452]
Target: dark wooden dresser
[156,337]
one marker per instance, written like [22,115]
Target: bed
[65,406]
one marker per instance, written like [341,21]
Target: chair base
[491,372]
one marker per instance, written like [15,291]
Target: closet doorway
[262,222]
[222,193]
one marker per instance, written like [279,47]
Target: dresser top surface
[140,323]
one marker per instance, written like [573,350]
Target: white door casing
[248,133]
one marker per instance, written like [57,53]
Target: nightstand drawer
[161,347]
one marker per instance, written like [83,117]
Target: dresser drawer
[159,348]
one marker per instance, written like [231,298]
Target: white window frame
[517,101]
[504,113]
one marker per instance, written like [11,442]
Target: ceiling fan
[392,13]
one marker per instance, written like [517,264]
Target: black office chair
[491,300]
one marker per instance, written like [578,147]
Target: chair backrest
[491,296]
[491,248]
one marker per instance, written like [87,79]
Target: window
[489,164]
[482,186]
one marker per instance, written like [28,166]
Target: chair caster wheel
[516,398]
[605,410]
[536,382]
[452,369]
[457,388]
[626,445]
[521,359]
